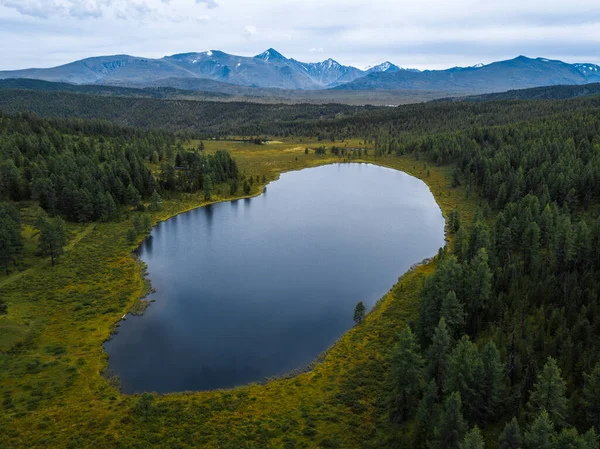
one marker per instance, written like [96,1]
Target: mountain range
[270,69]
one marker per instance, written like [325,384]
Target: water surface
[256,288]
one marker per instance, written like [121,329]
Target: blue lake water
[256,288]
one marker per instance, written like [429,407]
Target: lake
[255,288]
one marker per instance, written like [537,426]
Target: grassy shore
[51,385]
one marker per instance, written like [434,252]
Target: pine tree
[473,440]
[461,244]
[53,236]
[359,312]
[131,235]
[406,377]
[541,434]
[208,186]
[548,394]
[454,221]
[446,277]
[10,235]
[465,375]
[132,196]
[532,249]
[493,382]
[478,289]
[438,353]
[453,312]
[155,202]
[591,396]
[146,224]
[137,224]
[451,427]
[510,438]
[427,416]
[569,438]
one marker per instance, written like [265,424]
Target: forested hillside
[327,122]
[508,321]
[503,344]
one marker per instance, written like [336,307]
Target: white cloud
[425,34]
[210,4]
[250,30]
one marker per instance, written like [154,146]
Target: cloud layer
[425,34]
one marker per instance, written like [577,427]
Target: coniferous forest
[503,350]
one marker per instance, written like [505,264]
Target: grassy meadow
[55,390]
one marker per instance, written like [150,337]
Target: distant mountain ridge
[518,73]
[271,69]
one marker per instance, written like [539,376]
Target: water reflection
[244,296]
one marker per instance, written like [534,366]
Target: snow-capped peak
[271,55]
[587,67]
[478,66]
[208,53]
[386,66]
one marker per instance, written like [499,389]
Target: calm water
[255,288]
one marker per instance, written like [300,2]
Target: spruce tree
[591,396]
[406,377]
[53,236]
[473,440]
[437,355]
[465,375]
[453,312]
[541,433]
[132,196]
[451,427]
[359,312]
[208,186]
[493,381]
[548,394]
[478,289]
[427,416]
[155,202]
[510,438]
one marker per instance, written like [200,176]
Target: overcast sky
[426,34]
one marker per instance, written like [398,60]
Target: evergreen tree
[451,428]
[510,438]
[359,312]
[453,312]
[478,289]
[131,235]
[10,235]
[461,244]
[454,221]
[541,434]
[146,224]
[446,277]
[493,381]
[53,236]
[548,394]
[132,196]
[569,438]
[473,440]
[155,202]
[427,416]
[207,187]
[137,224]
[466,375]
[591,396]
[406,377]
[438,353]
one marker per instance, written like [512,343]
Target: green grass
[52,358]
